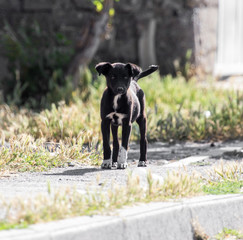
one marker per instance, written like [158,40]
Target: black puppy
[122,103]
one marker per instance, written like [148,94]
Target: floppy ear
[103,68]
[134,70]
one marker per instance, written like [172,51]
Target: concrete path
[152,221]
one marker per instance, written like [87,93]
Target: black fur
[122,86]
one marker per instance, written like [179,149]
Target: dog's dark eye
[113,77]
[125,77]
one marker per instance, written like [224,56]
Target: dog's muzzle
[120,90]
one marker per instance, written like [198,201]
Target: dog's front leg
[116,146]
[126,132]
[105,129]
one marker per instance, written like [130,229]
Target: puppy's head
[118,75]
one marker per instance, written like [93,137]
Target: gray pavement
[171,220]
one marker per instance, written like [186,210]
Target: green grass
[225,187]
[176,110]
[224,178]
[228,234]
[27,154]
[7,226]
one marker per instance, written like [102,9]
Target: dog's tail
[147,72]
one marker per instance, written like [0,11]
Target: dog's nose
[120,89]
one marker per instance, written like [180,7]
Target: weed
[7,226]
[181,184]
[179,110]
[68,202]
[225,187]
[26,154]
[201,163]
[224,178]
[232,172]
[227,233]
[176,110]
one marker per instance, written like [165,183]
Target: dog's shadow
[76,172]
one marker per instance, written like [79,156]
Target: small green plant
[224,178]
[7,226]
[229,234]
[225,187]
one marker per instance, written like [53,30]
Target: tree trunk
[88,44]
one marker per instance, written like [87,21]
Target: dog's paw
[142,164]
[122,158]
[114,166]
[106,164]
[122,165]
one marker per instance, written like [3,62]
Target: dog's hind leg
[142,123]
[143,142]
[105,129]
[114,130]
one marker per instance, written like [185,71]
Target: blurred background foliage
[37,63]
[47,65]
[41,98]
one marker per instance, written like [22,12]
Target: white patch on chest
[116,117]
[115,101]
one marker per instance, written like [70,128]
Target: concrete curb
[162,220]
